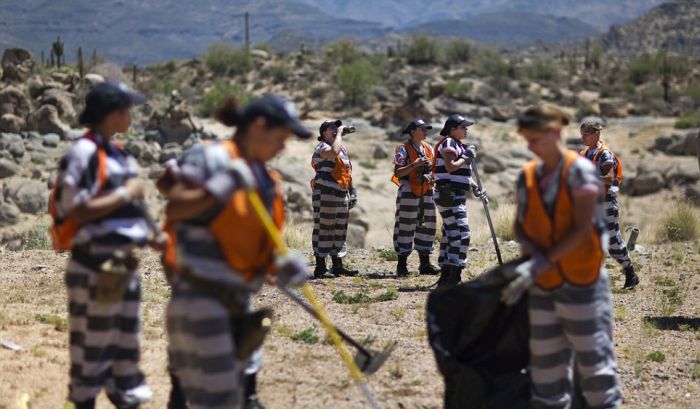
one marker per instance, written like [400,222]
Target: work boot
[631,278]
[177,397]
[339,270]
[88,404]
[425,267]
[445,279]
[401,267]
[320,271]
[250,393]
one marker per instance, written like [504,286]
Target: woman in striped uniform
[415,210]
[608,166]
[453,179]
[98,192]
[560,226]
[332,198]
[224,254]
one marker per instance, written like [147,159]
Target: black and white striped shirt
[324,167]
[121,229]
[460,178]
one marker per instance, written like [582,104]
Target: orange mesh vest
[341,173]
[240,233]
[169,257]
[419,186]
[582,265]
[618,172]
[63,230]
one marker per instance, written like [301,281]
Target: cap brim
[135,98]
[466,122]
[300,130]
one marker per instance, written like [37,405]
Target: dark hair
[230,114]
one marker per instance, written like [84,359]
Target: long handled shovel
[488,214]
[367,360]
[275,236]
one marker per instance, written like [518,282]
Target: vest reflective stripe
[419,186]
[63,230]
[618,164]
[240,233]
[582,265]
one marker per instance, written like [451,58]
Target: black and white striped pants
[330,222]
[104,339]
[455,231]
[408,234]
[201,349]
[566,321]
[617,248]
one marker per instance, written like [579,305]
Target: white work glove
[243,173]
[291,270]
[525,275]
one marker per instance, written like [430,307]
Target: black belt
[457,189]
[89,260]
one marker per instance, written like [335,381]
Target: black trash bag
[480,344]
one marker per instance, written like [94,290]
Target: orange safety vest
[63,230]
[581,266]
[419,186]
[238,230]
[618,172]
[341,174]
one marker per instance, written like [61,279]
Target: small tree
[458,51]
[356,80]
[422,50]
[227,59]
[343,51]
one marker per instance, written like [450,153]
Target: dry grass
[681,223]
[503,219]
[297,234]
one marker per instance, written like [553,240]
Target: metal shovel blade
[370,363]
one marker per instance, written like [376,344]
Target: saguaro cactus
[81,63]
[57,47]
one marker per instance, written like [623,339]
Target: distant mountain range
[146,31]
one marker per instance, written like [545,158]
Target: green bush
[388,254]
[491,64]
[37,237]
[307,336]
[227,59]
[458,51]
[458,90]
[356,81]
[278,72]
[641,69]
[422,50]
[688,121]
[343,52]
[217,94]
[543,69]
[341,297]
[656,356]
[681,223]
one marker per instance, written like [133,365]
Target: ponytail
[228,113]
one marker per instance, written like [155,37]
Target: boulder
[357,236]
[692,194]
[436,88]
[35,87]
[260,54]
[9,214]
[145,152]
[8,168]
[62,100]
[170,151]
[614,108]
[647,182]
[503,112]
[12,123]
[490,163]
[51,140]
[46,120]
[17,64]
[16,149]
[30,196]
[682,173]
[13,101]
[380,152]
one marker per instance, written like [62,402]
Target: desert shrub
[681,223]
[458,51]
[641,69]
[37,237]
[422,49]
[656,356]
[341,297]
[297,234]
[343,51]
[388,254]
[227,59]
[688,121]
[307,336]
[278,72]
[543,69]
[356,81]
[458,90]
[491,64]
[221,90]
[503,220]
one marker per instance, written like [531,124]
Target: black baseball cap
[327,124]
[453,121]
[276,110]
[107,97]
[415,124]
